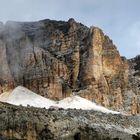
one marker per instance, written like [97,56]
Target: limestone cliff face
[103,72]
[57,58]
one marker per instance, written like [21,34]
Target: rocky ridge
[56,59]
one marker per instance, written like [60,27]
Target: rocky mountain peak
[58,58]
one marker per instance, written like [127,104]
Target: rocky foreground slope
[20,123]
[57,58]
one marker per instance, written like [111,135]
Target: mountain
[59,58]
[66,63]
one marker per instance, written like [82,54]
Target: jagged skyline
[119,19]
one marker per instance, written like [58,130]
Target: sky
[119,19]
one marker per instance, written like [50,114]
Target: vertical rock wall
[57,58]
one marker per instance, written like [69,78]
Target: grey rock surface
[18,123]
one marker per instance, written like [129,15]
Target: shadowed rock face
[134,79]
[19,123]
[56,58]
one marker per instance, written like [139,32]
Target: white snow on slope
[23,96]
[81,103]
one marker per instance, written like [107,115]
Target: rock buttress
[57,58]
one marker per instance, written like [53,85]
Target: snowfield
[82,103]
[25,97]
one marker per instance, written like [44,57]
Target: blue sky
[120,19]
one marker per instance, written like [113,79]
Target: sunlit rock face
[57,58]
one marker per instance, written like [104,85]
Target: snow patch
[25,97]
[82,103]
